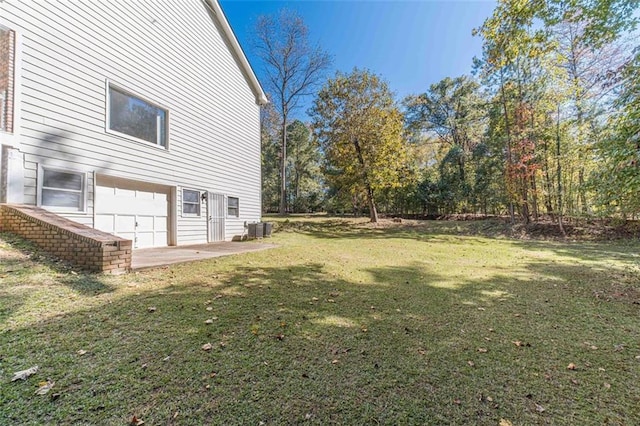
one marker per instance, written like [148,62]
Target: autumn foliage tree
[360,130]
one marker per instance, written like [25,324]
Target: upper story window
[7,77]
[135,117]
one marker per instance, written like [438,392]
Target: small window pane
[191,196]
[62,180]
[191,208]
[55,198]
[233,207]
[135,117]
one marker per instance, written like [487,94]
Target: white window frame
[83,190]
[107,125]
[237,207]
[184,214]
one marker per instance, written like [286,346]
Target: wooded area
[547,125]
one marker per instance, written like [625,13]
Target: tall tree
[270,143]
[360,130]
[305,183]
[451,112]
[618,180]
[293,69]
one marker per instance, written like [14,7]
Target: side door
[215,217]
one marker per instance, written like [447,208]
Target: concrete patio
[161,256]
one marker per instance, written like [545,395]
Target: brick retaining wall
[85,247]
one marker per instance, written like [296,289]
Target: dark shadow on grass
[295,343]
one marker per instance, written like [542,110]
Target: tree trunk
[534,198]
[547,182]
[508,134]
[559,174]
[373,213]
[283,168]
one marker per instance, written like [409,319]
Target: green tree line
[547,125]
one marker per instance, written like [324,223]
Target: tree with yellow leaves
[360,130]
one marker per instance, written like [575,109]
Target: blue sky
[411,44]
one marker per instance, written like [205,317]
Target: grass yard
[342,324]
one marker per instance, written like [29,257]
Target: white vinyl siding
[174,57]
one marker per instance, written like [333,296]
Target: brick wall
[7,58]
[85,247]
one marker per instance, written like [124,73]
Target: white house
[135,117]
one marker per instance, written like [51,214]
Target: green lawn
[342,324]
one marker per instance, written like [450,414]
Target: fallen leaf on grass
[505,422]
[81,352]
[207,347]
[136,421]
[520,344]
[483,350]
[607,385]
[481,309]
[571,366]
[209,321]
[44,387]
[209,308]
[540,408]
[223,344]
[471,363]
[457,401]
[335,361]
[22,375]
[151,309]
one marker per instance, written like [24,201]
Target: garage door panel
[125,223]
[145,223]
[160,222]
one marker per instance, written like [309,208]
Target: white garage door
[135,211]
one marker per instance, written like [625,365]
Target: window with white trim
[233,207]
[135,117]
[190,202]
[63,190]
